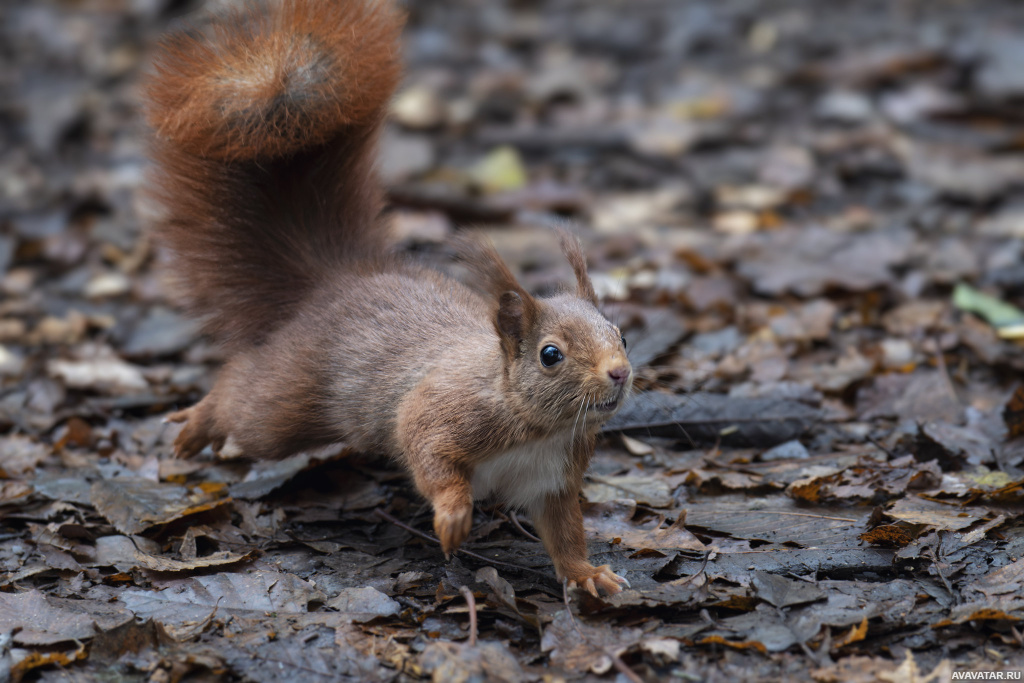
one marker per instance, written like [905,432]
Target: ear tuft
[573,252]
[512,316]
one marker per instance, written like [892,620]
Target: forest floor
[808,219]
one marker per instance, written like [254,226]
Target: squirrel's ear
[516,314]
[574,254]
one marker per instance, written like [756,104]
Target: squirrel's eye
[623,342]
[550,355]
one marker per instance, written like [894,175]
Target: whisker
[584,432]
[572,440]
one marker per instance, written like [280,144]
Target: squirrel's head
[565,363]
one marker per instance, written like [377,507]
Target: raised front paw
[598,580]
[452,524]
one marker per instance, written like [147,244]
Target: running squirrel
[266,124]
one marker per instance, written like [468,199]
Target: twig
[945,582]
[880,446]
[515,520]
[940,361]
[700,571]
[621,666]
[805,514]
[427,537]
[471,602]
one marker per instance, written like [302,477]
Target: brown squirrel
[266,129]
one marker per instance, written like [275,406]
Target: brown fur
[277,241]
[264,147]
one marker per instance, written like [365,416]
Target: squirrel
[265,135]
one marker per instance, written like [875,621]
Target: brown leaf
[488,661]
[647,490]
[714,418]
[855,634]
[807,262]
[1008,579]
[614,520]
[782,592]
[35,659]
[134,505]
[121,552]
[43,620]
[505,595]
[184,605]
[581,647]
[887,536]
[364,604]
[20,454]
[917,510]
[776,519]
[1013,413]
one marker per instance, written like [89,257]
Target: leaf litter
[805,219]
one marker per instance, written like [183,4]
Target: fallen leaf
[43,620]
[183,605]
[134,505]
[487,661]
[1006,318]
[502,169]
[613,520]
[364,604]
[807,262]
[121,552]
[581,647]
[782,592]
[104,372]
[646,490]
[713,418]
[1013,413]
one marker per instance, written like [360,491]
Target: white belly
[522,476]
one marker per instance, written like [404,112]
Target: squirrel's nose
[619,375]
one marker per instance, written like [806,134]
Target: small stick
[945,582]
[623,669]
[416,532]
[471,602]
[519,525]
[940,361]
[700,571]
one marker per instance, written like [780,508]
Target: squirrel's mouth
[609,406]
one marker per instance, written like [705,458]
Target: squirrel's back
[265,140]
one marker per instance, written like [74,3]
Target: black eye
[550,355]
[623,342]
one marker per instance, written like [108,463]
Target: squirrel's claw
[452,527]
[600,581]
[179,416]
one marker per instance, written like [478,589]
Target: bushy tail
[265,136]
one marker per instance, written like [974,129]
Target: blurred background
[742,161]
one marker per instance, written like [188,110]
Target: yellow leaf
[502,169]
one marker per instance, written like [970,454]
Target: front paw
[598,581]
[452,524]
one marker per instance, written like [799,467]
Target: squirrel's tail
[265,136]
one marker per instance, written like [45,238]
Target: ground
[808,219]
